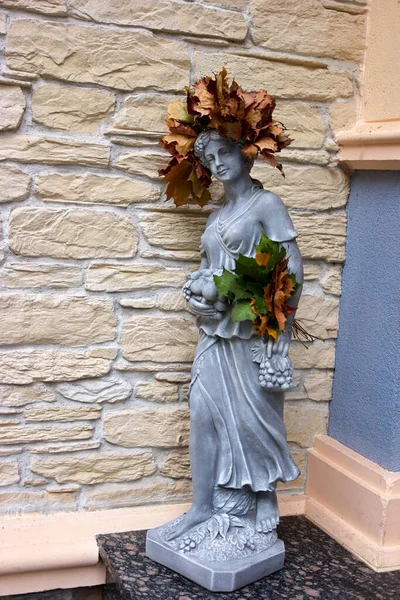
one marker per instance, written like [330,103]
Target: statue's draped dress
[249,431]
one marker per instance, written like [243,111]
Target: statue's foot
[267,517]
[190,519]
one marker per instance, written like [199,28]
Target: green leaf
[248,266]
[241,289]
[277,258]
[256,289]
[260,305]
[292,276]
[242,311]
[266,245]
[275,249]
[231,285]
[225,283]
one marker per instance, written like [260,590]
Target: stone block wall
[96,342]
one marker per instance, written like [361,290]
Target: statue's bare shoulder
[268,201]
[213,216]
[274,217]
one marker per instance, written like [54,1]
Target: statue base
[219,571]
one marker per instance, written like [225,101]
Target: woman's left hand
[281,346]
[276,369]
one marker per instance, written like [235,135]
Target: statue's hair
[208,135]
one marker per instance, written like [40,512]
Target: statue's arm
[197,307]
[274,217]
[204,264]
[296,267]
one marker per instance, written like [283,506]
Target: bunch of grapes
[201,286]
[276,373]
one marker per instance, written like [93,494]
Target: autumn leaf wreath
[214,103]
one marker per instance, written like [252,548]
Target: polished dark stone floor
[316,567]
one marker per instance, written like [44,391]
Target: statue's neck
[239,190]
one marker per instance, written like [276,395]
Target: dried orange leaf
[267,143]
[273,332]
[250,151]
[232,130]
[183,143]
[178,110]
[222,86]
[274,128]
[262,258]
[183,128]
[179,187]
[206,100]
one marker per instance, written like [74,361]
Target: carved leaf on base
[238,539]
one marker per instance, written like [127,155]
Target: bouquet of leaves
[260,288]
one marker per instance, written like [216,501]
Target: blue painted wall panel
[365,408]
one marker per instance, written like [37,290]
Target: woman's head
[223,156]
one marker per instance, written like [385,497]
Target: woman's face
[225,160]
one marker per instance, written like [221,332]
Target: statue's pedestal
[222,554]
[215,576]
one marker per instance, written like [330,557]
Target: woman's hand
[276,368]
[202,309]
[202,296]
[187,292]
[281,346]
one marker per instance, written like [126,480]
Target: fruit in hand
[201,286]
[210,291]
[197,286]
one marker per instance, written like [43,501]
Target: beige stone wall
[96,342]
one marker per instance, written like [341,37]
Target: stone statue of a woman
[238,447]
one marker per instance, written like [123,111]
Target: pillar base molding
[372,146]
[356,502]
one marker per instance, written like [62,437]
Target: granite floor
[316,567]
